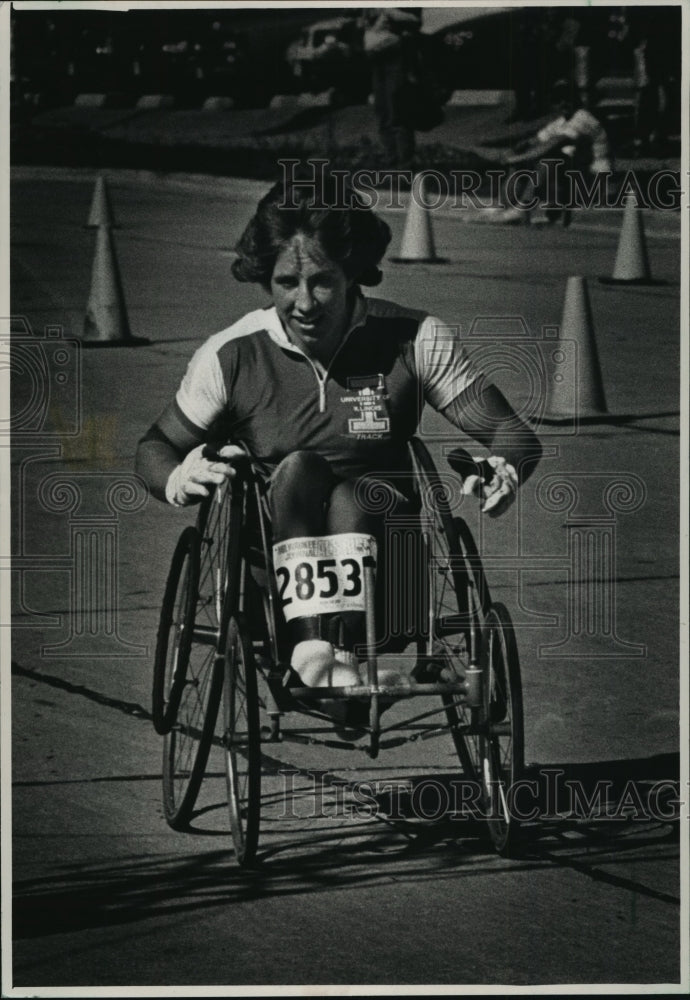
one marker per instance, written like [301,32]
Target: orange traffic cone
[106,323]
[576,387]
[417,245]
[632,262]
[101,213]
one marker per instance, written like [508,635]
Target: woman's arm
[162,448]
[170,460]
[482,412]
[538,150]
[456,387]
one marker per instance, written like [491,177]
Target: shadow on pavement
[590,814]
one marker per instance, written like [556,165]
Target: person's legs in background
[383,110]
[397,138]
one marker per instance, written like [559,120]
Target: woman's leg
[365,505]
[300,491]
[306,500]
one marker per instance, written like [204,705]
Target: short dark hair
[330,211]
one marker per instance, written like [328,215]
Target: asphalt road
[105,894]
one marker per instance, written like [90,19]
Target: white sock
[316,663]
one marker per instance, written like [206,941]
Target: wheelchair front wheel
[242,741]
[176,624]
[186,747]
[455,603]
[502,743]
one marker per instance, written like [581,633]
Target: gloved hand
[192,477]
[497,492]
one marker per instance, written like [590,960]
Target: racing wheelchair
[221,642]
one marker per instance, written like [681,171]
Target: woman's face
[310,293]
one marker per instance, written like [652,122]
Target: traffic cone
[106,323]
[101,213]
[632,262]
[417,245]
[576,387]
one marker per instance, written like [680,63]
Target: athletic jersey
[359,413]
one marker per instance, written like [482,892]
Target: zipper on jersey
[327,371]
[322,380]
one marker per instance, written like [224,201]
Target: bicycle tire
[457,607]
[503,735]
[176,623]
[474,564]
[186,747]
[242,741]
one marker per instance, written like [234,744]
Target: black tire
[457,606]
[474,563]
[186,747]
[174,641]
[219,524]
[242,742]
[503,741]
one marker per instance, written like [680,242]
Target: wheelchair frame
[213,647]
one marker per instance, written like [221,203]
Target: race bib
[319,575]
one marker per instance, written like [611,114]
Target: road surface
[105,894]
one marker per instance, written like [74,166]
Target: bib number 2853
[319,575]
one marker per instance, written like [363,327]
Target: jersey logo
[370,405]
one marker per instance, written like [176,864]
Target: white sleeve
[201,395]
[581,124]
[551,130]
[443,366]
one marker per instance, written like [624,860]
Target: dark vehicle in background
[191,56]
[54,59]
[231,66]
[329,54]
[242,53]
[475,52]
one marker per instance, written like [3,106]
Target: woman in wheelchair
[324,389]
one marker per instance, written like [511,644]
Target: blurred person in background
[391,39]
[574,136]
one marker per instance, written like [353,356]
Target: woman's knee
[363,504]
[345,511]
[299,467]
[298,493]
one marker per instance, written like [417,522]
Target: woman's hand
[190,480]
[498,492]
